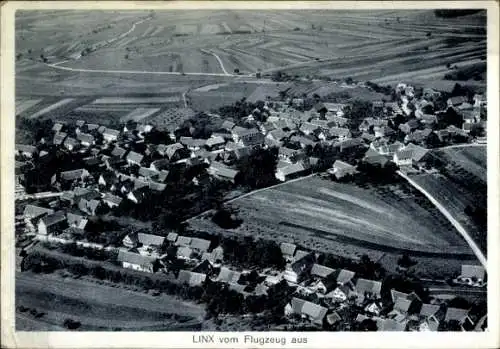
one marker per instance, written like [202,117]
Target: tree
[258,169]
[405,261]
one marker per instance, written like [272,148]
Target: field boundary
[479,254]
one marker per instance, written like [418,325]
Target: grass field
[470,159]
[98,307]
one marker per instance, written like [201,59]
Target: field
[466,160]
[349,220]
[98,306]
[134,46]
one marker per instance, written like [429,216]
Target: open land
[99,306]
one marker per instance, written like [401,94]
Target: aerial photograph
[251,170]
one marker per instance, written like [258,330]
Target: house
[367,289]
[89,206]
[287,249]
[110,135]
[456,101]
[183,241]
[321,271]
[70,143]
[107,179]
[57,127]
[136,261]
[228,125]
[334,109]
[339,133]
[134,158]
[431,94]
[150,240]
[429,317]
[172,237]
[247,136]
[85,139]
[118,152]
[76,220]
[390,325]
[309,129]
[300,268]
[410,155]
[418,136]
[341,169]
[55,222]
[303,141]
[32,212]
[404,304]
[229,276]
[192,143]
[374,158]
[479,100]
[350,145]
[68,177]
[215,143]
[340,293]
[138,195]
[92,127]
[200,245]
[155,186]
[286,172]
[472,275]
[428,119]
[383,131]
[221,171]
[373,307]
[26,150]
[59,138]
[177,151]
[459,315]
[290,155]
[277,136]
[370,122]
[184,252]
[191,278]
[409,126]
[383,147]
[111,200]
[314,312]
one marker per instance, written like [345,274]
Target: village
[113,171]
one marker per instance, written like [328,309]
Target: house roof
[217,140]
[76,219]
[228,275]
[457,100]
[292,168]
[349,143]
[456,314]
[173,148]
[157,186]
[308,127]
[118,151]
[112,198]
[402,304]
[428,310]
[183,240]
[54,218]
[287,248]
[200,244]
[228,125]
[135,157]
[134,258]
[73,174]
[70,141]
[237,287]
[314,311]
[339,132]
[24,148]
[364,285]
[221,170]
[172,237]
[242,131]
[299,254]
[418,152]
[59,138]
[192,142]
[321,270]
[469,271]
[278,134]
[150,239]
[57,127]
[391,325]
[184,251]
[32,211]
[344,276]
[85,137]
[111,132]
[341,165]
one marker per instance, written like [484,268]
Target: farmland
[98,307]
[349,220]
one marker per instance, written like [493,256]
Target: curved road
[477,251]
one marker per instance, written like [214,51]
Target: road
[218,59]
[477,251]
[39,195]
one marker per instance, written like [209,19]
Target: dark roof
[54,218]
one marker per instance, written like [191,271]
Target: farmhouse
[55,222]
[247,137]
[136,261]
[215,143]
[410,155]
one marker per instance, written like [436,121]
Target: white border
[11,339]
